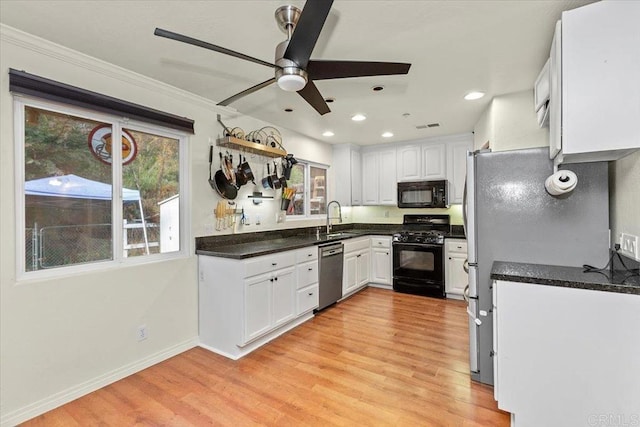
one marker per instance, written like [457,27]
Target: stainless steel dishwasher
[330,272]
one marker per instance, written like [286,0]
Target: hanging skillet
[294,70]
[222,184]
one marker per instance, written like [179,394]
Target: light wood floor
[379,358]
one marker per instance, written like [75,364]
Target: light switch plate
[629,246]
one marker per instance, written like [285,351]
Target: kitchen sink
[341,234]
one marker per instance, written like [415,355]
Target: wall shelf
[252,147]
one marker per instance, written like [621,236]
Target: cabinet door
[387,184]
[349,281]
[456,278]
[370,178]
[257,307]
[600,84]
[356,178]
[409,163]
[363,275]
[381,266]
[283,296]
[457,168]
[433,161]
[555,102]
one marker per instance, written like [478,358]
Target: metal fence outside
[56,246]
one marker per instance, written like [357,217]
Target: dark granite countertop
[567,277]
[248,245]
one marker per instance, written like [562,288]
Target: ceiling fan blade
[246,92]
[307,31]
[324,70]
[312,95]
[195,42]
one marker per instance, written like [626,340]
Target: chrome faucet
[329,218]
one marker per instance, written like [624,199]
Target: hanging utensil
[276,185]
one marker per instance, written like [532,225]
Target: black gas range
[418,258]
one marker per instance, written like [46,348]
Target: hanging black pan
[222,184]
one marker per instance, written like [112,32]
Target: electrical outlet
[629,245]
[142,333]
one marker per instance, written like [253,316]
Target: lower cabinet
[357,265]
[245,303]
[565,356]
[456,279]
[269,302]
[381,261]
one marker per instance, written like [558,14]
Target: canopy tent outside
[76,187]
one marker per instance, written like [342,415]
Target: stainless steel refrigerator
[509,216]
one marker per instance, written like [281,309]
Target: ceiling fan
[294,70]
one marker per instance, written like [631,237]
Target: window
[310,183]
[70,167]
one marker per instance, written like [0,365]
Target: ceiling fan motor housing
[289,76]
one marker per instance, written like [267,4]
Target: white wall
[624,194]
[509,123]
[63,337]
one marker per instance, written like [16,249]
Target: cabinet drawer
[355,245]
[306,299]
[306,254]
[307,274]
[266,263]
[380,242]
[457,246]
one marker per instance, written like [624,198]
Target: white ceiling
[454,46]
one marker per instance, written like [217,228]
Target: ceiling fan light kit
[294,70]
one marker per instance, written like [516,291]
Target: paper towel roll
[561,182]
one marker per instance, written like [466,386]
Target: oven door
[418,262]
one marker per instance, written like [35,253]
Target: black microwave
[423,194]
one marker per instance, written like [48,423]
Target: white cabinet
[243,304]
[422,161]
[595,89]
[347,175]
[356,271]
[456,279]
[307,282]
[409,166]
[269,302]
[433,161]
[457,166]
[379,177]
[381,261]
[565,356]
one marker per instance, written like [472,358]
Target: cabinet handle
[274,263]
[310,293]
[271,280]
[310,268]
[275,278]
[309,254]
[449,257]
[359,255]
[387,253]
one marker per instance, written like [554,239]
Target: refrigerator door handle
[473,317]
[464,208]
[465,293]
[465,266]
[473,336]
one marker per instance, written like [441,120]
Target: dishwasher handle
[331,250]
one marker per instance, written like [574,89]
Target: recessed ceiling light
[288,110]
[359,117]
[473,95]
[328,133]
[387,135]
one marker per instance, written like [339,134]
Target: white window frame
[117,123]
[307,190]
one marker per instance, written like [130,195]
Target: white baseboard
[40,407]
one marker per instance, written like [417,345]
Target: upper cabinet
[457,149]
[379,177]
[422,161]
[594,86]
[369,176]
[347,167]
